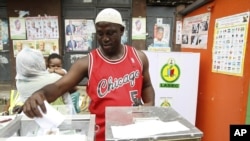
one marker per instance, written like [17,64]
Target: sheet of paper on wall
[146,128]
[51,119]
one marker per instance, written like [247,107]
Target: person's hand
[51,70]
[30,107]
[17,109]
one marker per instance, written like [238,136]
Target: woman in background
[32,75]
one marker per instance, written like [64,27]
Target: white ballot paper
[51,119]
[146,129]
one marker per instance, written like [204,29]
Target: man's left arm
[148,93]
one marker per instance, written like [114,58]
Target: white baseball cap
[109,15]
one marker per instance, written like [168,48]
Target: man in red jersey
[118,74]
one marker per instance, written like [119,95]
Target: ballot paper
[146,129]
[51,119]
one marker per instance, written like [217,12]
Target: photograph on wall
[50,27]
[138,28]
[17,28]
[18,45]
[48,46]
[124,38]
[79,34]
[195,31]
[34,28]
[229,44]
[4,33]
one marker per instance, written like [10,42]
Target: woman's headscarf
[29,64]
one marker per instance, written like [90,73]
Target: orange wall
[222,99]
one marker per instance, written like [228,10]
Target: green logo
[170,72]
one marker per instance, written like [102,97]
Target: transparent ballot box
[148,123]
[74,127]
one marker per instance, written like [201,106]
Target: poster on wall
[47,46]
[50,27]
[161,35]
[4,35]
[79,34]
[18,45]
[17,28]
[230,44]
[139,28]
[161,38]
[34,28]
[42,28]
[195,31]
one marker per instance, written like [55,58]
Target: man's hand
[17,109]
[30,107]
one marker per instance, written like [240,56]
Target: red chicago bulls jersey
[113,83]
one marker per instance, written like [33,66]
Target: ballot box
[148,123]
[74,127]
[9,125]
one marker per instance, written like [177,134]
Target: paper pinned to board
[51,119]
[146,128]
